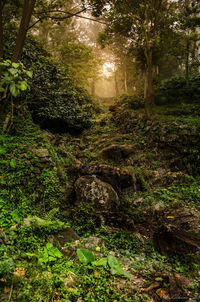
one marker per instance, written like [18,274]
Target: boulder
[44,156]
[121,180]
[41,153]
[91,189]
[65,236]
[117,153]
[179,233]
[92,242]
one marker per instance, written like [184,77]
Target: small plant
[110,262]
[14,80]
[49,254]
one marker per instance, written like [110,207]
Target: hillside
[125,192]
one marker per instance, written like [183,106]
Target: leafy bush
[131,101]
[176,90]
[55,101]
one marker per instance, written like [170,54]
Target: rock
[92,242]
[35,222]
[70,281]
[179,233]
[44,156]
[4,239]
[117,219]
[75,169]
[41,153]
[138,202]
[158,207]
[62,237]
[121,180]
[71,250]
[117,153]
[91,189]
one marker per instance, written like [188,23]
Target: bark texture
[1,29]
[24,25]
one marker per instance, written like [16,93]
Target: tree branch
[70,15]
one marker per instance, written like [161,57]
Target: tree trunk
[116,85]
[1,31]
[24,24]
[187,63]
[93,87]
[150,91]
[145,83]
[125,82]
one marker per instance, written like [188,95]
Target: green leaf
[15,65]
[14,90]
[13,71]
[112,261]
[13,163]
[118,270]
[53,252]
[29,73]
[2,150]
[101,262]
[85,256]
[23,86]
[15,216]
[30,255]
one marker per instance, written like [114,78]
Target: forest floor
[54,247]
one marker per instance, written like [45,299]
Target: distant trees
[144,23]
[189,22]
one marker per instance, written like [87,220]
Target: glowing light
[108,69]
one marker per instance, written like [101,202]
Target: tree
[24,25]
[189,21]
[143,23]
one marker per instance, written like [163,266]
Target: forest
[99,150]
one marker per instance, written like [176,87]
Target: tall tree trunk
[24,24]
[116,85]
[187,63]
[1,31]
[150,91]
[145,83]
[93,87]
[125,81]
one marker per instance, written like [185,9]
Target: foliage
[14,77]
[24,193]
[79,60]
[131,101]
[110,262]
[48,254]
[54,99]
[175,90]
[85,256]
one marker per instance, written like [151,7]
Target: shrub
[55,101]
[175,90]
[131,101]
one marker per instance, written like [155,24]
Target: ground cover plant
[99,198]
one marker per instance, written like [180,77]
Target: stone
[35,222]
[121,180]
[4,239]
[117,153]
[41,152]
[92,242]
[75,169]
[158,207]
[91,189]
[62,237]
[179,233]
[71,250]
[138,202]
